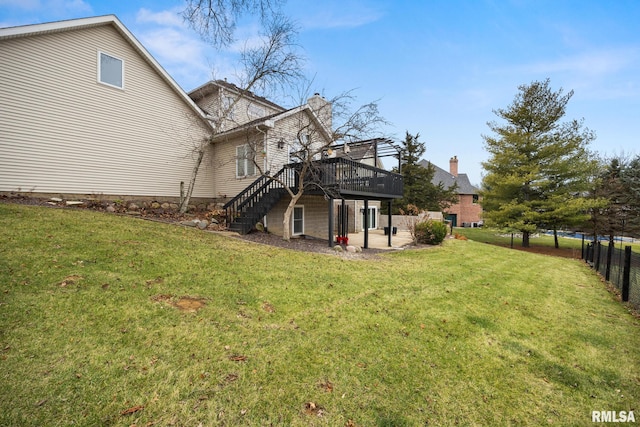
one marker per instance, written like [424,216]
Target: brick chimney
[453,166]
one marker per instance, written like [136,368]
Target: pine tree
[538,169]
[419,189]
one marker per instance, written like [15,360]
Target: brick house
[468,211]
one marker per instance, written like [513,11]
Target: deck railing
[336,177]
[350,178]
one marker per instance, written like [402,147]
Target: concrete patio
[378,240]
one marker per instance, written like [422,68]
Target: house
[267,153]
[468,211]
[87,111]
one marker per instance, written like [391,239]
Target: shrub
[430,232]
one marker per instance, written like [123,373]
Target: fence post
[583,254]
[626,275]
[598,251]
[607,273]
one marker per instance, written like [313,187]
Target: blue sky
[436,67]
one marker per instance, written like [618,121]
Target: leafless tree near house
[329,122]
[274,63]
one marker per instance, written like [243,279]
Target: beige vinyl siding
[227,183]
[61,131]
[213,103]
[316,216]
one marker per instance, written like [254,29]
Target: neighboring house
[85,110]
[468,211]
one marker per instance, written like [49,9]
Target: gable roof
[96,21]
[448,180]
[215,85]
[269,122]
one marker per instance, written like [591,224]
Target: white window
[297,224]
[227,107]
[245,165]
[110,70]
[256,111]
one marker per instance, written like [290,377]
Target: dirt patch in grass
[186,303]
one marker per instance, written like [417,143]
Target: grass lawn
[91,332]
[496,237]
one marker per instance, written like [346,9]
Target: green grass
[496,237]
[463,334]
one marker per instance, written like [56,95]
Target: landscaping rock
[165,206]
[133,207]
[338,248]
[202,224]
[189,223]
[351,249]
[56,199]
[110,209]
[74,203]
[155,205]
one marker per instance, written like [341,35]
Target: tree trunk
[525,239]
[184,202]
[555,237]
[286,221]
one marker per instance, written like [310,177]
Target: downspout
[269,124]
[264,149]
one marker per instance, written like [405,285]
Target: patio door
[372,220]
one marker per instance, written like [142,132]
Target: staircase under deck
[336,178]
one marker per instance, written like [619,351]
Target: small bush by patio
[430,232]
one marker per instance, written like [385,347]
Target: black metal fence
[620,267]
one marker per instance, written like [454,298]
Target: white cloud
[169,18]
[172,46]
[594,63]
[183,56]
[55,7]
[337,14]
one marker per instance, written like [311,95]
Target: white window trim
[100,70]
[247,162]
[293,216]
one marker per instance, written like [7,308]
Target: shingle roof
[214,85]
[442,176]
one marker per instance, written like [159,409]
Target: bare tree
[273,63]
[215,20]
[330,122]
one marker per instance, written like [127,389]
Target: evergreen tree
[538,169]
[631,182]
[418,187]
[606,219]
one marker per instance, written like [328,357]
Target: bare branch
[215,20]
